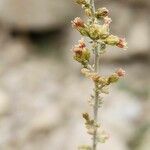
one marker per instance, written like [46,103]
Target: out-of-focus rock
[45,121]
[120,111]
[139,37]
[33,14]
[145,141]
[4,103]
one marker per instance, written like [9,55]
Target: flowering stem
[97,29]
[92,4]
[96,95]
[96,91]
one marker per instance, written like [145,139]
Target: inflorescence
[97,30]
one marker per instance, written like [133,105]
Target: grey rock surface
[35,15]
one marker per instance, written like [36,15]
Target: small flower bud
[98,31]
[102,81]
[82,43]
[113,78]
[107,21]
[95,77]
[91,131]
[84,147]
[88,12]
[82,56]
[122,43]
[94,31]
[104,32]
[120,72]
[77,23]
[85,70]
[77,50]
[91,75]
[102,136]
[81,2]
[86,116]
[101,12]
[111,40]
[105,90]
[81,53]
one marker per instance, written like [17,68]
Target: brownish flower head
[77,23]
[122,43]
[77,50]
[86,116]
[102,12]
[120,72]
[81,43]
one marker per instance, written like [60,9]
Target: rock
[139,37]
[45,121]
[4,103]
[119,113]
[145,141]
[35,15]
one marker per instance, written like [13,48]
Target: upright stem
[96,92]
[96,95]
[92,4]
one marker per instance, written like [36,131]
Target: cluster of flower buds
[103,81]
[116,41]
[85,147]
[102,136]
[92,126]
[115,77]
[96,31]
[101,13]
[81,53]
[86,6]
[81,2]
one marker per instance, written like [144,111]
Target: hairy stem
[96,95]
[96,91]
[92,4]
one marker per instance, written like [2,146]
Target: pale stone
[33,14]
[139,37]
[145,144]
[4,103]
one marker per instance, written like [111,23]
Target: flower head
[81,2]
[77,23]
[82,43]
[122,43]
[102,136]
[107,20]
[102,12]
[120,72]
[85,147]
[81,53]
[97,31]
[112,40]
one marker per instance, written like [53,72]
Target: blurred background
[42,93]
